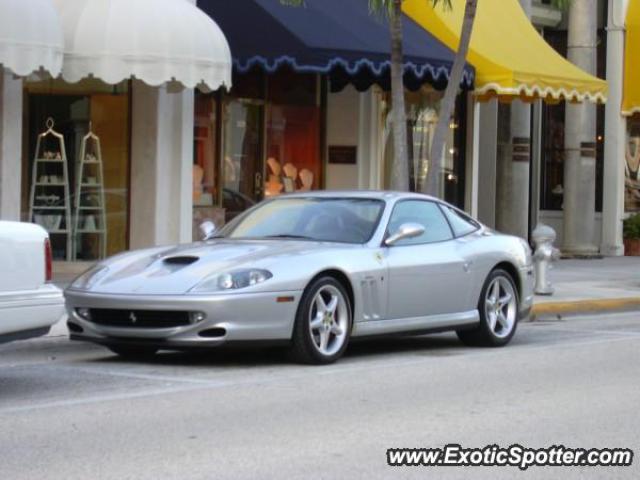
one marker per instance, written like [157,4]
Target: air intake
[182,261]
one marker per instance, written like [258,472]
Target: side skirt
[432,323]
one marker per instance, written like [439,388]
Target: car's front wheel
[133,352]
[323,323]
[498,306]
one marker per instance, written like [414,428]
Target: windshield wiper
[297,237]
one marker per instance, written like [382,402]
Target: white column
[472,155]
[161,166]
[615,136]
[370,149]
[513,164]
[487,152]
[10,145]
[536,162]
[580,138]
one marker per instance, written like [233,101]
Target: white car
[29,303]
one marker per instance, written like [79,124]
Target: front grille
[139,318]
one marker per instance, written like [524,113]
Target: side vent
[370,298]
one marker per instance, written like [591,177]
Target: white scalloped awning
[156,41]
[30,37]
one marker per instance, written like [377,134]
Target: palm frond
[385,7]
[293,3]
[561,4]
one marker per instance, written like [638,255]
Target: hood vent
[180,261]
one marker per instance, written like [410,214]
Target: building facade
[304,108]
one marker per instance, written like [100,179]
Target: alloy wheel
[501,307]
[328,320]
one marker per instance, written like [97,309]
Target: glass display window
[423,107]
[553,132]
[93,120]
[632,165]
[293,159]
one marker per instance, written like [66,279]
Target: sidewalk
[581,286]
[598,286]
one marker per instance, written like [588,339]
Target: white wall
[342,130]
[161,166]
[10,145]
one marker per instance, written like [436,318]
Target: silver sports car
[312,271]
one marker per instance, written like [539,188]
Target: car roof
[375,194]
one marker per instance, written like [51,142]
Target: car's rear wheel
[133,352]
[323,323]
[498,306]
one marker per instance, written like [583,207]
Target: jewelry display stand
[49,199]
[90,218]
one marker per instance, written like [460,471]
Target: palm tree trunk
[448,103]
[400,171]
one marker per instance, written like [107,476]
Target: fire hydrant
[545,253]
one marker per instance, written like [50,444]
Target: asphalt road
[74,411]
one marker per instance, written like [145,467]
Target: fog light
[84,313]
[197,317]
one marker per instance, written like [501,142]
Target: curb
[560,309]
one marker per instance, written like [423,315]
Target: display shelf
[50,143]
[90,167]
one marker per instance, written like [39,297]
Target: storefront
[75,175]
[104,152]
[519,80]
[631,109]
[309,108]
[260,139]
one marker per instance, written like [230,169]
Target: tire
[133,352]
[322,328]
[498,321]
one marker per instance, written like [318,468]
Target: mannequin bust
[290,170]
[306,177]
[632,157]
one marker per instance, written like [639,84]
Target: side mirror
[406,230]
[207,230]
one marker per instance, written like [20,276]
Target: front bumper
[240,317]
[32,312]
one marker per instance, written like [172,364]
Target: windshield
[345,220]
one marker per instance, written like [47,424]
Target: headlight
[232,281]
[89,278]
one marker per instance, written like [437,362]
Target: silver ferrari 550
[311,270]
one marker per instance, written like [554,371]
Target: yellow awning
[631,94]
[510,57]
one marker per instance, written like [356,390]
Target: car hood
[176,270]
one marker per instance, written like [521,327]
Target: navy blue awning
[336,37]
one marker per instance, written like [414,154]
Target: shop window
[79,193]
[632,165]
[242,154]
[206,169]
[293,160]
[553,131]
[422,116]
[270,134]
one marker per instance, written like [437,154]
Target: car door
[427,274]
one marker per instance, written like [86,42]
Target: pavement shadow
[263,357]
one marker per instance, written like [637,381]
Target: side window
[461,224]
[424,213]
